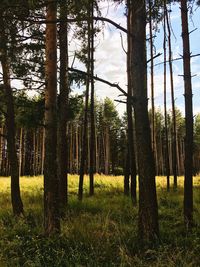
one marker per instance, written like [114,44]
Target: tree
[85,125]
[10,121]
[62,105]
[148,210]
[131,162]
[153,137]
[92,109]
[174,131]
[197,144]
[188,182]
[51,203]
[167,166]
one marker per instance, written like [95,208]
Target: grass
[99,231]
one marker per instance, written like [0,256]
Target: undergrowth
[99,231]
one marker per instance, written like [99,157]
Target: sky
[110,58]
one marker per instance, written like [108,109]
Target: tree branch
[44,21]
[178,58]
[149,60]
[103,81]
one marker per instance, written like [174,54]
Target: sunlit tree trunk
[20,151]
[43,151]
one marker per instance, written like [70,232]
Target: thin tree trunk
[92,109]
[43,150]
[188,182]
[34,151]
[85,126]
[20,151]
[51,203]
[167,164]
[71,148]
[97,151]
[17,204]
[174,134]
[148,209]
[107,151]
[153,131]
[77,150]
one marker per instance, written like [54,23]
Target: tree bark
[51,203]
[131,148]
[63,102]
[188,182]
[127,173]
[148,210]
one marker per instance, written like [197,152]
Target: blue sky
[110,58]
[194,22]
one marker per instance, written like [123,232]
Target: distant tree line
[110,138]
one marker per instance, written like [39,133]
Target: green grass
[99,231]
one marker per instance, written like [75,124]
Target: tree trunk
[28,168]
[153,131]
[85,126]
[167,165]
[107,150]
[51,203]
[92,121]
[20,151]
[1,149]
[148,210]
[127,173]
[130,143]
[188,182]
[174,131]
[17,204]
[43,151]
[63,101]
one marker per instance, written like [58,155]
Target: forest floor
[100,230]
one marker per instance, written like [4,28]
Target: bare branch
[175,59]
[149,60]
[102,80]
[122,43]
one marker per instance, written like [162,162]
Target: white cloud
[110,60]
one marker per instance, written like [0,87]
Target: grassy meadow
[99,231]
